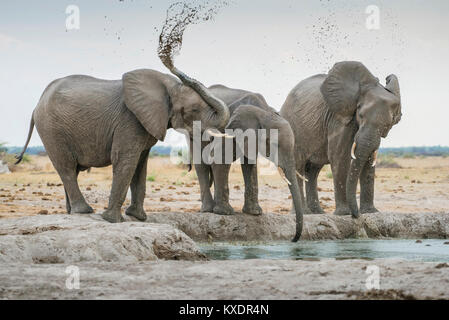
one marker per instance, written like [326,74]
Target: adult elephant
[249,111]
[340,118]
[86,122]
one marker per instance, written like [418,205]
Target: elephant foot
[80,207]
[207,206]
[112,216]
[252,209]
[368,209]
[137,213]
[342,211]
[224,210]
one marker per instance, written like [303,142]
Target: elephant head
[160,101]
[353,94]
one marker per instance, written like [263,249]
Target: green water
[428,250]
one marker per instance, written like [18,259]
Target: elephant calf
[340,118]
[250,111]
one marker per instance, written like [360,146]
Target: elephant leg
[313,201]
[124,166]
[367,177]
[340,173]
[251,205]
[67,202]
[138,188]
[203,173]
[221,189]
[68,171]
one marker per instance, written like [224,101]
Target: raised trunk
[219,116]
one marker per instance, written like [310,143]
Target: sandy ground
[242,279]
[421,185]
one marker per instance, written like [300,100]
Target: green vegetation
[386,161]
[411,152]
[152,177]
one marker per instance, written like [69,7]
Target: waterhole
[414,250]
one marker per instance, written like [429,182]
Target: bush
[387,161]
[408,155]
[151,177]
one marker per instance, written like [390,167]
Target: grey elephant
[340,118]
[86,122]
[250,111]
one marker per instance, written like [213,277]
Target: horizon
[119,36]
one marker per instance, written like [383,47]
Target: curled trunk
[220,115]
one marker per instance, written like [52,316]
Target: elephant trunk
[365,147]
[220,115]
[290,174]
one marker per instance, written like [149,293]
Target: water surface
[427,250]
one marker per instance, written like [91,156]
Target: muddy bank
[248,279]
[241,227]
[76,238]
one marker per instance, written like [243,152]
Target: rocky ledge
[242,227]
[80,238]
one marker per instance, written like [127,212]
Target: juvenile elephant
[86,122]
[340,118]
[249,111]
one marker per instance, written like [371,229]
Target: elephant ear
[251,99]
[147,97]
[392,85]
[343,86]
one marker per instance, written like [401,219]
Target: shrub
[151,177]
[387,161]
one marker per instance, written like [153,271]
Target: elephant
[249,110]
[340,118]
[87,122]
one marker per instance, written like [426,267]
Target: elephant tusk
[219,134]
[283,176]
[375,158]
[302,177]
[353,151]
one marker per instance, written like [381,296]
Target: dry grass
[421,184]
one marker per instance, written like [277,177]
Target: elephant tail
[19,157]
[211,177]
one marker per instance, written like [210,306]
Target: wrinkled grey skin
[86,122]
[249,111]
[330,112]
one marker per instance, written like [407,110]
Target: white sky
[264,46]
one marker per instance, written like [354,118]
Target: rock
[77,238]
[242,227]
[4,167]
[327,279]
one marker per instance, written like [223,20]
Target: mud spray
[179,16]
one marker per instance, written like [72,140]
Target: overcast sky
[266,46]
